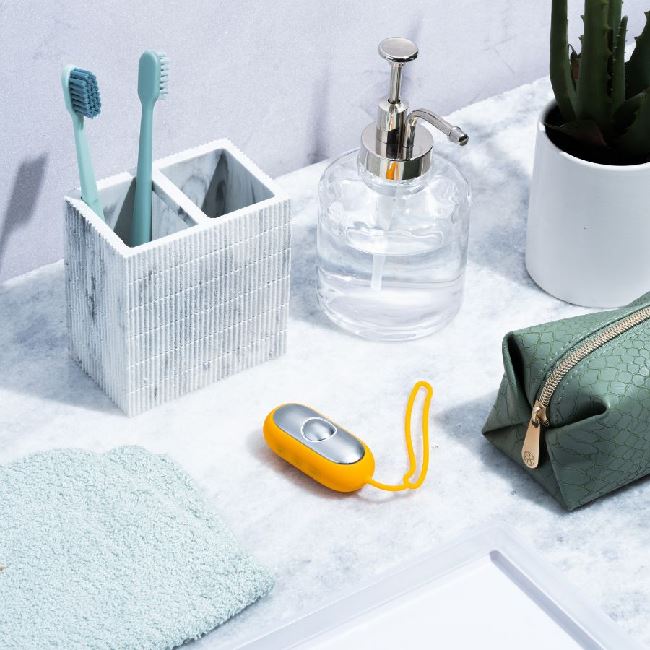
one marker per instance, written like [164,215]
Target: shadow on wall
[319,122]
[28,183]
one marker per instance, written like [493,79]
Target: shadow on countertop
[303,300]
[34,356]
[261,452]
[466,422]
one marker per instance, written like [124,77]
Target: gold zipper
[539,416]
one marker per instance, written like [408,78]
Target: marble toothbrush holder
[206,298]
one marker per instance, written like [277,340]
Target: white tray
[487,590]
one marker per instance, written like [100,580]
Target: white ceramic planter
[588,236]
[206,298]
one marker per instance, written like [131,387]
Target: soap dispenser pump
[394,222]
[396,147]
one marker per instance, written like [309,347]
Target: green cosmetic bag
[573,408]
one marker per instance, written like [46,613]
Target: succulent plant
[603,102]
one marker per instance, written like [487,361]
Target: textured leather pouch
[573,408]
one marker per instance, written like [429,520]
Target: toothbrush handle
[141,222]
[89,193]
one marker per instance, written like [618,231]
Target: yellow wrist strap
[407,483]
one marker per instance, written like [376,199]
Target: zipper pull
[530,450]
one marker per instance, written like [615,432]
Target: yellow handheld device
[333,456]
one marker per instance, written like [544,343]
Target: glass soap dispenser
[394,222]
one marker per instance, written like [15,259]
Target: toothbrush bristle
[164,75]
[84,93]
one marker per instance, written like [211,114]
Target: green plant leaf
[592,101]
[627,112]
[635,142]
[586,132]
[575,64]
[637,69]
[560,68]
[614,18]
[618,67]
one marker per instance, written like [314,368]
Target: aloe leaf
[618,67]
[592,101]
[575,64]
[637,69]
[627,112]
[586,132]
[614,16]
[560,68]
[635,142]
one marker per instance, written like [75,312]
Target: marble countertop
[317,543]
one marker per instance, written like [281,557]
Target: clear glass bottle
[393,224]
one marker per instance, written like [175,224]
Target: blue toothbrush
[82,100]
[152,85]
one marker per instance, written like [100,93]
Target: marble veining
[117,197]
[216,182]
[206,298]
[317,544]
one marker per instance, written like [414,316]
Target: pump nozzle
[454,133]
[396,148]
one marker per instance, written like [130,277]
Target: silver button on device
[316,432]
[317,429]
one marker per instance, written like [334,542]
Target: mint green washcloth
[114,550]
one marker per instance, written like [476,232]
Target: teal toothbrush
[152,85]
[82,100]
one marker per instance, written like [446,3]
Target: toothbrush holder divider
[206,298]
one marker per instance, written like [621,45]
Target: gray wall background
[290,82]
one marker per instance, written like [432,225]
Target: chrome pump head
[396,147]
